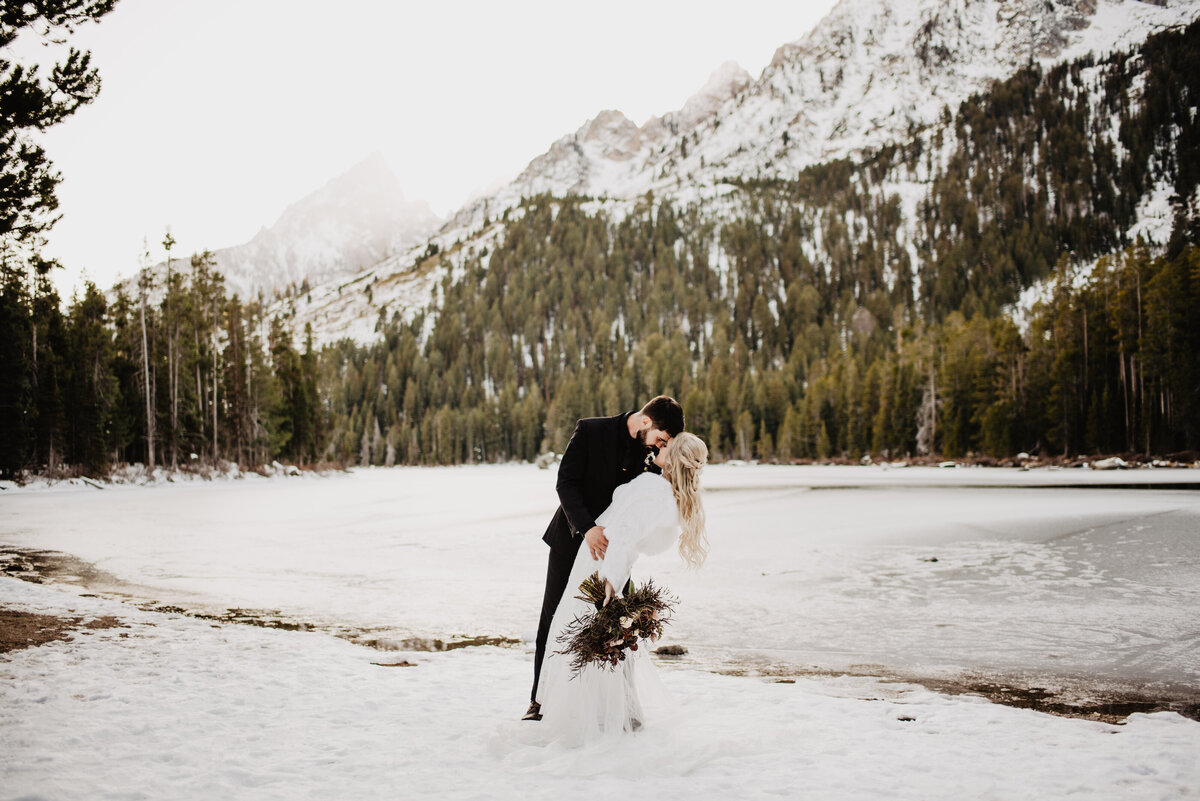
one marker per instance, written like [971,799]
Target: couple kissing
[627,485]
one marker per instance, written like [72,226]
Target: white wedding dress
[598,702]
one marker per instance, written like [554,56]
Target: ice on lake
[1057,576]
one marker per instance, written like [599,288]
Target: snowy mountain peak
[369,183]
[372,177]
[353,221]
[725,82]
[612,132]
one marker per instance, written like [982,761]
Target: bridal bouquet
[602,637]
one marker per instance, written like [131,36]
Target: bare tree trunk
[214,382]
[1085,351]
[250,423]
[1124,392]
[146,373]
[172,357]
[932,408]
[199,391]
[172,374]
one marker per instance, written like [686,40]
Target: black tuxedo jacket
[592,467]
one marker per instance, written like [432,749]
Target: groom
[603,454]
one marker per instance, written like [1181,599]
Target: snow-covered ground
[829,569]
[173,707]
[920,570]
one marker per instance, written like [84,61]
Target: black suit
[600,457]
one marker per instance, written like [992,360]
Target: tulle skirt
[597,703]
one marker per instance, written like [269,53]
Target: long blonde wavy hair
[686,454]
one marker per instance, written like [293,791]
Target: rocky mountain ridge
[870,73]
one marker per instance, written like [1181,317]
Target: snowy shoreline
[1106,472]
[1079,696]
[1029,592]
[166,706]
[819,582]
[885,555]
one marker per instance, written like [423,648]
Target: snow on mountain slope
[402,285]
[871,70]
[869,73]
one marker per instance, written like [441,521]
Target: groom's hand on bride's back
[597,543]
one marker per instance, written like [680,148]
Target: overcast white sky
[215,115]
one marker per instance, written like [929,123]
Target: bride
[645,516]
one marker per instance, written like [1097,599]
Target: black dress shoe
[534,712]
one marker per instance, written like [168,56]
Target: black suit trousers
[558,571]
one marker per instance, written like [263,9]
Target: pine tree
[92,387]
[28,103]
[16,389]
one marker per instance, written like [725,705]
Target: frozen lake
[1040,578]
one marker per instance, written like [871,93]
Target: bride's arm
[626,534]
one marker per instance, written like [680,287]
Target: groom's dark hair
[666,414]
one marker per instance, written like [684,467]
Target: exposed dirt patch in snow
[26,630]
